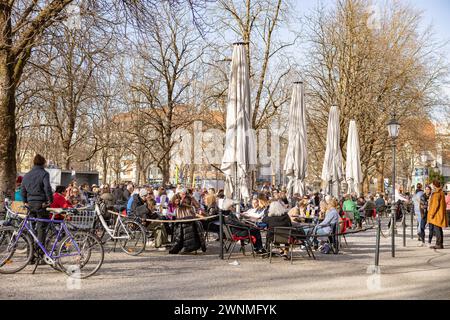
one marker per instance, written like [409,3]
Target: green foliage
[436,174]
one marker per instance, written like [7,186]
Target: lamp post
[393,129]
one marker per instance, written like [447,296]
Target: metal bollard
[404,230]
[393,209]
[412,223]
[377,248]
[221,233]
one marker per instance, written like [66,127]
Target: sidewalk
[415,273]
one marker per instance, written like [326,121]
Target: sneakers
[162,249]
[261,251]
[421,244]
[429,245]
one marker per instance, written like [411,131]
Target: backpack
[325,248]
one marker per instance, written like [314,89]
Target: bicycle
[131,235]
[79,254]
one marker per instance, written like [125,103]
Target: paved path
[415,273]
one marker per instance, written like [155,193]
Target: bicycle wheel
[80,255]
[15,252]
[132,237]
[50,241]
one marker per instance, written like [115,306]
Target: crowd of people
[269,207]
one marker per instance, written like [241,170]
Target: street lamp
[393,129]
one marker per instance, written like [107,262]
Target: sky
[435,13]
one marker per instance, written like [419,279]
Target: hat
[143,192]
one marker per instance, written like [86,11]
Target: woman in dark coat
[189,235]
[277,217]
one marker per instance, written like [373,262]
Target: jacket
[59,201]
[36,186]
[424,205]
[349,206]
[134,202]
[437,209]
[276,221]
[190,236]
[108,198]
[144,213]
[119,196]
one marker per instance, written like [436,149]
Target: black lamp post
[393,129]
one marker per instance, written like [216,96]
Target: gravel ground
[415,273]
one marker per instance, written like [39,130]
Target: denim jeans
[419,219]
[319,232]
[422,225]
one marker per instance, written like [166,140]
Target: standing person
[119,195]
[447,201]
[437,216]
[416,200]
[380,204]
[129,191]
[18,193]
[107,196]
[423,216]
[37,194]
[349,208]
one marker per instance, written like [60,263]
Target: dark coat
[36,186]
[119,196]
[276,221]
[144,213]
[190,236]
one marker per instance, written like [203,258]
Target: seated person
[252,214]
[277,217]
[231,218]
[331,218]
[138,198]
[59,201]
[298,212]
[189,235]
[158,229]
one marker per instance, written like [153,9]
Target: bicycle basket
[82,219]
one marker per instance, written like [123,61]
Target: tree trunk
[105,167]
[67,161]
[7,108]
[165,170]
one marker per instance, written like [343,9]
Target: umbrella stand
[236,190]
[221,233]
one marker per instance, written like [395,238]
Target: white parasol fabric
[353,173]
[295,163]
[332,165]
[240,142]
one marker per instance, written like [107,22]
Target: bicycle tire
[87,243]
[9,254]
[134,245]
[49,242]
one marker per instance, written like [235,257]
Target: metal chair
[290,237]
[231,235]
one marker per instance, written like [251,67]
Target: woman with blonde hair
[325,228]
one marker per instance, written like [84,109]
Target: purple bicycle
[77,253]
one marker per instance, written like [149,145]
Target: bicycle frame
[112,232]
[25,225]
